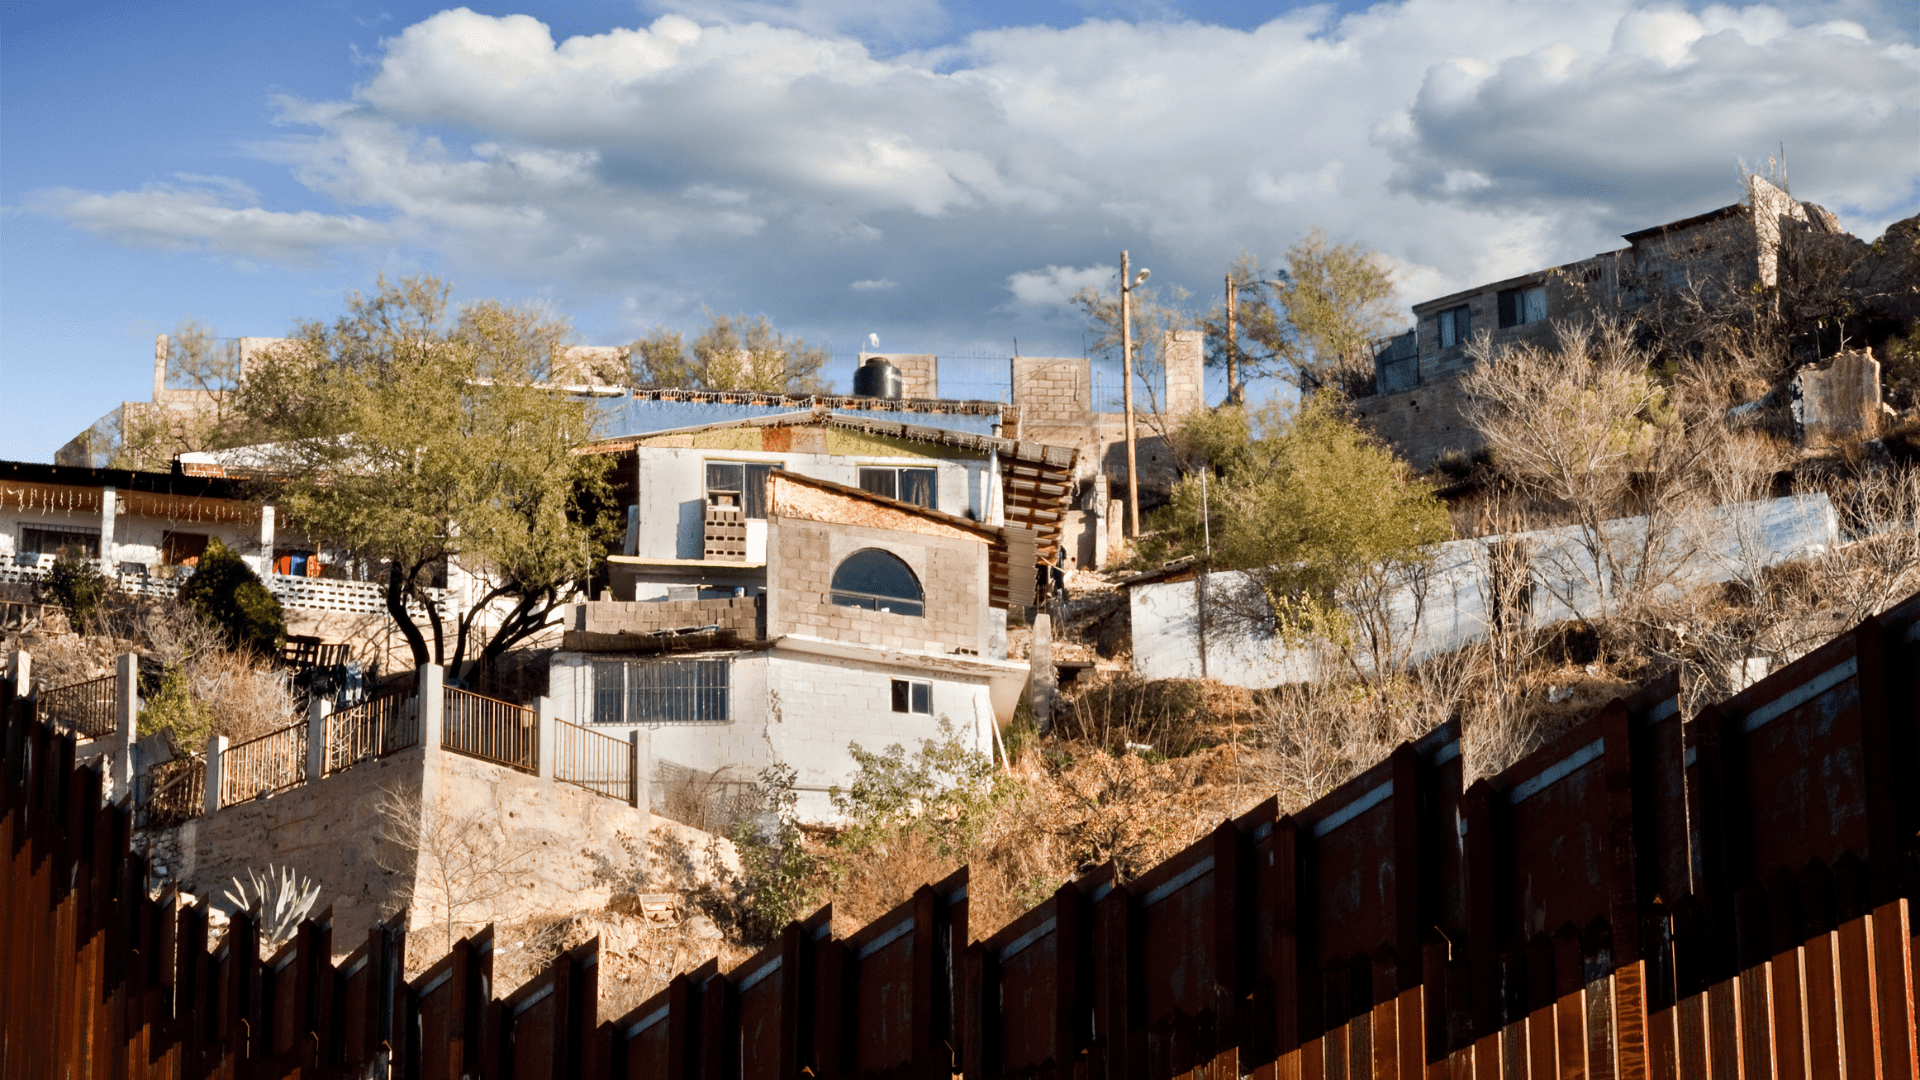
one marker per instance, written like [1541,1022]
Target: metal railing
[593,760]
[273,762]
[175,792]
[87,709]
[491,730]
[386,723]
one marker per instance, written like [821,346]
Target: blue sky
[943,175]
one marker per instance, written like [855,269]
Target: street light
[1127,285]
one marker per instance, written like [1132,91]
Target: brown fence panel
[386,723]
[265,765]
[88,709]
[491,730]
[593,760]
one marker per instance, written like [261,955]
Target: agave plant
[276,903]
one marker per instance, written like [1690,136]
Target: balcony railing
[386,723]
[271,763]
[491,730]
[593,760]
[314,594]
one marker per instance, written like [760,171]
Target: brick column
[109,510]
[216,746]
[1041,682]
[20,673]
[433,704]
[1185,361]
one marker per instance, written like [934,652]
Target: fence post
[433,704]
[318,709]
[126,713]
[544,738]
[639,762]
[216,754]
[20,671]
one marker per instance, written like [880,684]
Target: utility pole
[1127,285]
[1233,344]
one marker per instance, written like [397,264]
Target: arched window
[877,581]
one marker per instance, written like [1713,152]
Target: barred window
[660,691]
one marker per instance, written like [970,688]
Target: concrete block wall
[737,613]
[1840,403]
[1184,356]
[802,556]
[1052,390]
[919,372]
[1422,425]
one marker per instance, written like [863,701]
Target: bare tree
[465,860]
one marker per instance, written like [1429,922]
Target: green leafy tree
[1311,508]
[1313,322]
[77,585]
[414,435]
[945,792]
[226,592]
[734,352]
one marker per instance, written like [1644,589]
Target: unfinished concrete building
[1419,406]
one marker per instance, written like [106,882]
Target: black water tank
[877,378]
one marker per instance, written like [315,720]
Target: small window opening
[913,696]
[1456,325]
[739,483]
[917,486]
[1521,306]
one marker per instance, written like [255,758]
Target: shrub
[946,791]
[227,593]
[174,708]
[776,871]
[78,586]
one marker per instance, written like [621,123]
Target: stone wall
[740,614]
[802,556]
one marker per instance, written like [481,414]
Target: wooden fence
[264,765]
[85,708]
[491,730]
[596,761]
[1649,896]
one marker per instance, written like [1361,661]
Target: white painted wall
[135,539]
[795,708]
[1452,611]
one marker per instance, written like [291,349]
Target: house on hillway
[864,618]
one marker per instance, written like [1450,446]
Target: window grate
[661,691]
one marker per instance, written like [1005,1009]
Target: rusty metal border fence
[594,760]
[491,730]
[86,708]
[1727,895]
[387,722]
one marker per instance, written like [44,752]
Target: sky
[942,175]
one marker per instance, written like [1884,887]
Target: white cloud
[1055,285]
[873,285]
[213,215]
[757,155]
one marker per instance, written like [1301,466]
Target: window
[1521,306]
[660,691]
[746,484]
[877,581]
[917,486]
[913,696]
[1456,325]
[77,540]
